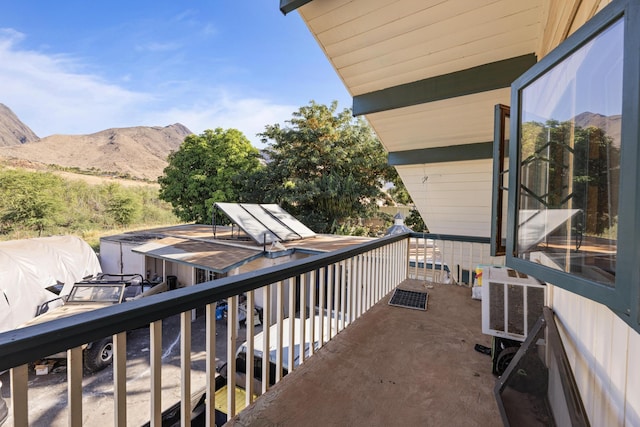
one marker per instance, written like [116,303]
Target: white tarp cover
[29,266]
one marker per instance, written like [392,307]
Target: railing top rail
[38,341]
[451,237]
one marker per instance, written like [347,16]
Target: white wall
[452,197]
[117,258]
[604,353]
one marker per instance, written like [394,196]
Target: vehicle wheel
[504,358]
[99,355]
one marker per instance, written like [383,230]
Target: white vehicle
[38,270]
[258,339]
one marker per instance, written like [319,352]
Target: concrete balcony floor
[392,367]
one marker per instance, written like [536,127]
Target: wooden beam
[495,75]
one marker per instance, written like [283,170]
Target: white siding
[452,197]
[604,353]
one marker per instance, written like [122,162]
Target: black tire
[504,358]
[99,355]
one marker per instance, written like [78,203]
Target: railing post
[291,347]
[19,377]
[279,322]
[74,377]
[343,295]
[336,296]
[210,348]
[359,285]
[312,311]
[303,315]
[330,276]
[352,289]
[232,334]
[120,378]
[266,341]
[250,350]
[321,304]
[155,356]
[185,367]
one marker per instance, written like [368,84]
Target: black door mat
[409,299]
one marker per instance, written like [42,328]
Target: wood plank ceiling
[378,44]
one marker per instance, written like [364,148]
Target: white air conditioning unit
[512,302]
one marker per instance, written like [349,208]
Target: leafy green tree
[325,166]
[399,193]
[207,169]
[548,150]
[415,222]
[124,207]
[30,201]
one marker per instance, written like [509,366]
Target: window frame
[500,151]
[624,296]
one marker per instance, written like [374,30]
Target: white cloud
[158,47]
[248,115]
[50,94]
[55,94]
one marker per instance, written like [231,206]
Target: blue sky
[77,67]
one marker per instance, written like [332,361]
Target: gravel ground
[48,393]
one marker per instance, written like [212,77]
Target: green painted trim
[624,298]
[287,6]
[495,75]
[450,238]
[451,153]
[500,152]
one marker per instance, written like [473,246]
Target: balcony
[393,366]
[373,364]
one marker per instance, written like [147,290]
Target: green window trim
[623,296]
[499,189]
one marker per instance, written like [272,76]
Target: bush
[37,203]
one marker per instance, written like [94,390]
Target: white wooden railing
[330,290]
[448,259]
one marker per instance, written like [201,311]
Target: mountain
[12,130]
[140,152]
[610,124]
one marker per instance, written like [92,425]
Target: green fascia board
[483,78]
[287,6]
[452,153]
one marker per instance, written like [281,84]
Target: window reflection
[570,161]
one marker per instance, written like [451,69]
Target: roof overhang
[423,71]
[211,256]
[427,75]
